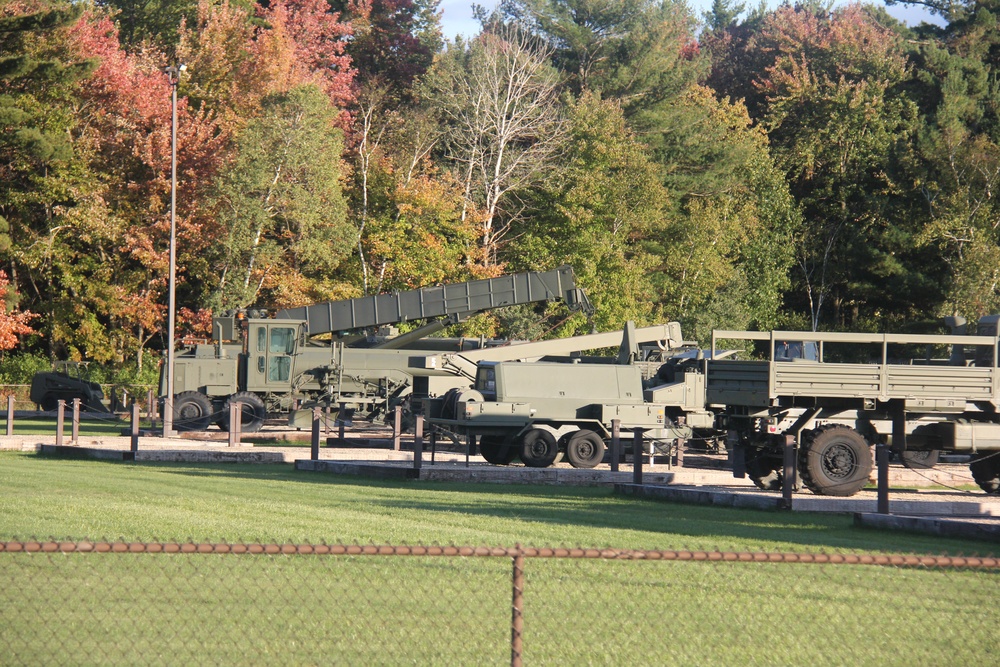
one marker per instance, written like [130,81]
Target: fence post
[418,443]
[60,421]
[432,436]
[135,428]
[397,428]
[680,452]
[10,414]
[616,443]
[470,446]
[76,422]
[340,422]
[314,451]
[637,456]
[235,422]
[517,609]
[151,408]
[882,457]
[788,483]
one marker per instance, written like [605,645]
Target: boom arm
[443,300]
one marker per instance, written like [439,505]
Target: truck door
[272,347]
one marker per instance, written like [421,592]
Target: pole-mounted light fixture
[173,73]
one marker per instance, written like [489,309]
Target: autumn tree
[14,322]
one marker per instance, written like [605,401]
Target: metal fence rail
[116,602]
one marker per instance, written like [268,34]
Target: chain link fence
[72,603]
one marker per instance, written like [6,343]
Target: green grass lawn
[132,609]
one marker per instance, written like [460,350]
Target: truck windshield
[486,382]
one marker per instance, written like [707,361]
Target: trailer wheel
[585,449]
[764,471]
[192,411]
[538,448]
[835,461]
[986,471]
[920,460]
[496,449]
[252,412]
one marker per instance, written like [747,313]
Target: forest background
[804,167]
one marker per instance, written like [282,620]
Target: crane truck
[269,364]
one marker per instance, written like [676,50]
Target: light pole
[173,74]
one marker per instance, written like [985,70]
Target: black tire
[538,448]
[986,471]
[766,472]
[920,460]
[252,412]
[496,450]
[192,411]
[49,403]
[835,461]
[585,449]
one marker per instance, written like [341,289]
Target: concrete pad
[980,529]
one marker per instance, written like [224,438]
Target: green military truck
[326,354]
[832,396]
[537,411]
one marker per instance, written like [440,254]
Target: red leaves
[13,323]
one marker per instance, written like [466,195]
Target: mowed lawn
[415,610]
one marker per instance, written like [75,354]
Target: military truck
[537,411]
[852,392]
[270,364]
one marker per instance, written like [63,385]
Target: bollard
[882,458]
[433,439]
[135,428]
[789,473]
[60,421]
[75,430]
[10,415]
[397,428]
[616,444]
[637,456]
[680,452]
[235,422]
[151,407]
[418,443]
[314,451]
[470,447]
[340,422]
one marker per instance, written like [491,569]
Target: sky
[457,15]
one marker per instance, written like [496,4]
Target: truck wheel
[835,461]
[192,411]
[764,471]
[920,460]
[496,450]
[585,449]
[252,412]
[986,471]
[538,448]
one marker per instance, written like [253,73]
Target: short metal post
[10,414]
[134,445]
[314,451]
[517,609]
[151,407]
[75,430]
[616,443]
[680,452]
[397,428]
[235,417]
[418,443]
[637,456]
[340,422]
[470,448]
[882,457]
[60,421]
[788,483]
[433,439]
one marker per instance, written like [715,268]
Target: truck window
[486,381]
[261,339]
[279,369]
[282,340]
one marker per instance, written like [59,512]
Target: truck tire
[538,448]
[766,472]
[585,449]
[252,412]
[835,461]
[496,450]
[920,460]
[986,471]
[192,411]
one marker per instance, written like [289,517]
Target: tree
[281,206]
[499,100]
[13,321]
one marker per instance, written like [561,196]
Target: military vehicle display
[270,364]
[832,405]
[856,391]
[537,411]
[68,381]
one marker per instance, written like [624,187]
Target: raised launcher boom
[454,300]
